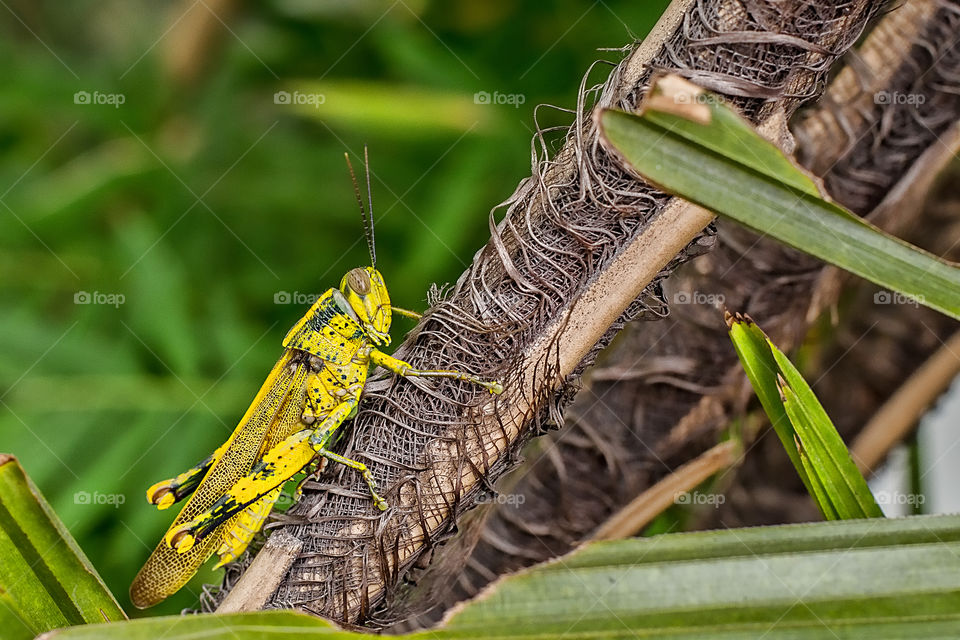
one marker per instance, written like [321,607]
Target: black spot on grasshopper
[324,314]
[264,469]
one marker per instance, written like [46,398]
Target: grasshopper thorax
[367,295]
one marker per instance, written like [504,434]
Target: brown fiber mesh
[892,126]
[664,392]
[559,228]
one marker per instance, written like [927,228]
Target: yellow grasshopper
[313,388]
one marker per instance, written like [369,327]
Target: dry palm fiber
[665,391]
[436,450]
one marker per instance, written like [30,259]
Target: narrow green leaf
[916,474]
[703,152]
[15,627]
[818,491]
[753,350]
[851,579]
[815,448]
[728,136]
[724,583]
[838,500]
[45,580]
[818,434]
[272,625]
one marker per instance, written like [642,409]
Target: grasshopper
[314,387]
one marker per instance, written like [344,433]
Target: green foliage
[108,399]
[806,432]
[688,143]
[45,580]
[851,579]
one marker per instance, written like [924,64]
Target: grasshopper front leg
[237,538]
[402,368]
[324,432]
[166,492]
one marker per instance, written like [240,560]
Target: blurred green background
[164,212]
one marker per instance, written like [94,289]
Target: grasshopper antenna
[371,241]
[366,213]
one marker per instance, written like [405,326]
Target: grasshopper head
[367,295]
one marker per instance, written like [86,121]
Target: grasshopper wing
[273,415]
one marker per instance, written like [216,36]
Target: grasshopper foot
[162,494]
[377,500]
[181,538]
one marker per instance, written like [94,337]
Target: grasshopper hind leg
[279,465]
[248,523]
[167,492]
[251,520]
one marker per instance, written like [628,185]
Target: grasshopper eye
[359,281]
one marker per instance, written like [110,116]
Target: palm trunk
[582,248]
